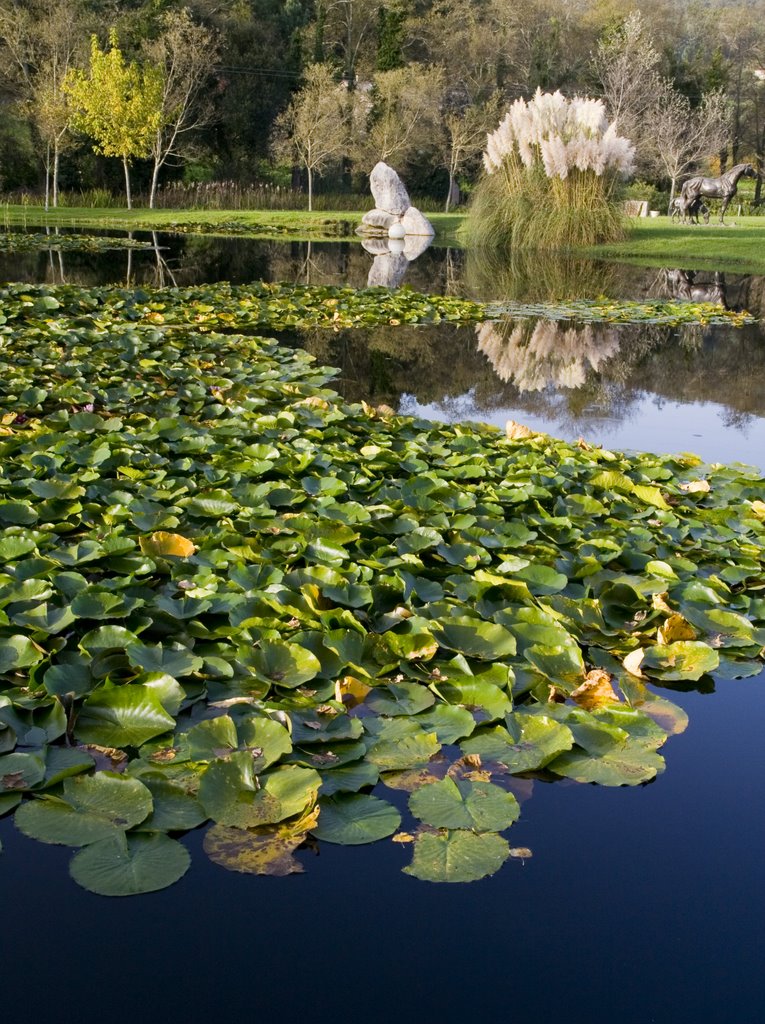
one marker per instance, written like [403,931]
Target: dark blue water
[639,906]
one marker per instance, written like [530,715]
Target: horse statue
[689,211]
[723,187]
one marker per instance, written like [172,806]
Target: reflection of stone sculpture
[395,231]
[723,187]
[534,354]
[388,269]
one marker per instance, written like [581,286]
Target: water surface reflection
[663,878]
[644,387]
[196,259]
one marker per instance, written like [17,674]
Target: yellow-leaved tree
[118,104]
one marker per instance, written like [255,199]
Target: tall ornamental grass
[553,172]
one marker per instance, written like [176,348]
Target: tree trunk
[672,187]
[158,161]
[127,183]
[449,191]
[154,180]
[310,188]
[56,159]
[47,178]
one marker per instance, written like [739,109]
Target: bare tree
[684,136]
[627,66]
[312,130]
[465,126]
[347,29]
[186,53]
[43,41]
[400,118]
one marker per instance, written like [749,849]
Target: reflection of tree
[536,354]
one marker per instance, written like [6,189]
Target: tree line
[97,93]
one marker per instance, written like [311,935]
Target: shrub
[553,173]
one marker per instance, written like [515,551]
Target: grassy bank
[296,224]
[737,246]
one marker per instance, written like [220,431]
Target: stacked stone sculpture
[395,232]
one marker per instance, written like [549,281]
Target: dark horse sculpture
[723,187]
[689,212]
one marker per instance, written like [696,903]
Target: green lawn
[738,245]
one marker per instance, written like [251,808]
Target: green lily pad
[684,659]
[457,856]
[402,698]
[476,638]
[348,778]
[123,716]
[90,809]
[402,746]
[230,796]
[352,819]
[451,804]
[285,664]
[174,808]
[525,743]
[130,865]
[450,723]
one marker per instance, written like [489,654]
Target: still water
[638,905]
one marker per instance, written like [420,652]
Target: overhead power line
[267,72]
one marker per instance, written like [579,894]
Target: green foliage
[646,191]
[390,38]
[32,242]
[259,601]
[118,104]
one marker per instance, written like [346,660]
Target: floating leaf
[130,865]
[285,664]
[457,856]
[402,698]
[259,851]
[352,819]
[475,638]
[526,743]
[684,659]
[123,716]
[480,806]
[90,809]
[162,545]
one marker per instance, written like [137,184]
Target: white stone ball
[396,231]
[396,245]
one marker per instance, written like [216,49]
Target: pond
[638,904]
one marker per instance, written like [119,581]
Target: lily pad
[352,819]
[90,809]
[130,865]
[525,743]
[451,804]
[122,716]
[457,856]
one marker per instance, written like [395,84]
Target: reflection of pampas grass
[552,177]
[536,354]
[529,276]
